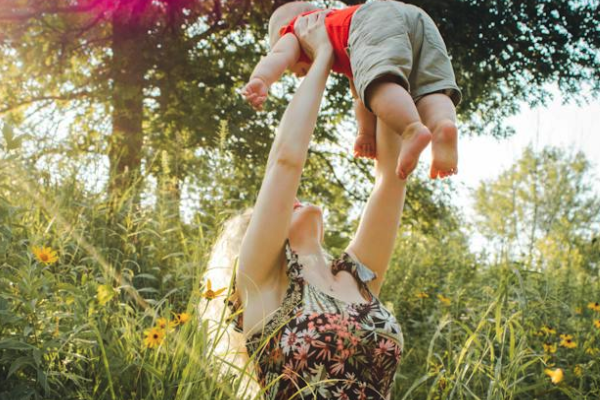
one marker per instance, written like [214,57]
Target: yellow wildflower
[594,306]
[556,376]
[550,348]
[163,323]
[597,323]
[209,294]
[578,371]
[567,341]
[578,310]
[592,351]
[446,301]
[422,295]
[154,337]
[105,293]
[45,255]
[548,330]
[182,318]
[564,336]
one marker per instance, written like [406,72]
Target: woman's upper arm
[262,246]
[375,237]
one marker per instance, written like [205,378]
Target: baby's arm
[364,145]
[284,55]
[365,118]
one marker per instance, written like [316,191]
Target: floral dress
[316,346]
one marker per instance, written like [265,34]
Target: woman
[315,328]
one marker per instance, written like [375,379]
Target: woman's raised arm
[262,248]
[374,241]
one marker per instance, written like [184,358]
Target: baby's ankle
[366,132]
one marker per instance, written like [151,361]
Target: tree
[100,53]
[165,74]
[542,211]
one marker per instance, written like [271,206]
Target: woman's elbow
[289,158]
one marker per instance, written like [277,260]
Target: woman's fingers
[312,21]
[301,25]
[319,17]
[310,30]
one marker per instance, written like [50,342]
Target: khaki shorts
[390,38]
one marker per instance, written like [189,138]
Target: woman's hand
[312,34]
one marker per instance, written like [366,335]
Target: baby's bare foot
[444,150]
[415,138]
[365,146]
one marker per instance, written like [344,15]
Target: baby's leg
[394,106]
[438,113]
[365,143]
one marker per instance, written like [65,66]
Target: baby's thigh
[432,69]
[379,47]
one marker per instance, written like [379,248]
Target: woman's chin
[311,208]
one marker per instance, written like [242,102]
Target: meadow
[95,308]
[126,148]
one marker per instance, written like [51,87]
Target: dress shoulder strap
[361,273]
[349,262]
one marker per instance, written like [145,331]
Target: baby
[399,72]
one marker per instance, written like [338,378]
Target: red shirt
[337,23]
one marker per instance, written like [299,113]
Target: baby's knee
[374,91]
[443,123]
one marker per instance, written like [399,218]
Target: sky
[570,126]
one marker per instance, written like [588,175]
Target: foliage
[487,327]
[542,211]
[74,328]
[78,327]
[165,75]
[94,91]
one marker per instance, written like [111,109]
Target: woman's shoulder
[292,267]
[349,262]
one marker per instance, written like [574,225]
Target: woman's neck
[308,249]
[305,242]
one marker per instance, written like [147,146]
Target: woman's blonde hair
[226,343]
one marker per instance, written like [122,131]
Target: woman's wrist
[312,34]
[324,54]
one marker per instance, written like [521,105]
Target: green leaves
[541,210]
[12,141]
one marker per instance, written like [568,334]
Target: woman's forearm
[299,120]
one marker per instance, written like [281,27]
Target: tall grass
[486,340]
[75,329]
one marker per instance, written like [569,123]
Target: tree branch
[341,184]
[218,24]
[67,97]
[8,13]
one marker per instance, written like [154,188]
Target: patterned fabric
[319,347]
[337,23]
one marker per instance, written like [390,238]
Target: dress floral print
[319,347]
